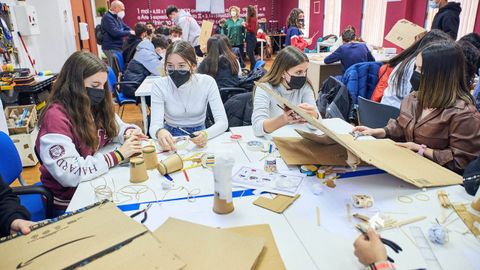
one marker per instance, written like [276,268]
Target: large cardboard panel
[70,240]
[383,154]
[205,33]
[403,33]
[270,257]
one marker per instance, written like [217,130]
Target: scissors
[394,246]
[142,211]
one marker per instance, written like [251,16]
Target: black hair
[151,23]
[171,9]
[473,38]
[160,41]
[472,58]
[140,28]
[348,35]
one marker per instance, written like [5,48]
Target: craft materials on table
[362,201]
[138,170]
[363,228]
[309,170]
[278,204]
[425,249]
[270,161]
[476,201]
[171,164]
[150,157]
[443,198]
[222,174]
[236,137]
[318,216]
[186,132]
[438,234]
[200,159]
[256,146]
[280,183]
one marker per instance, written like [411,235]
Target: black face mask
[96,95]
[415,80]
[149,31]
[178,77]
[297,82]
[301,21]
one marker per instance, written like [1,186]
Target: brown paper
[383,154]
[468,218]
[403,33]
[69,241]
[144,252]
[205,33]
[205,248]
[278,204]
[171,164]
[270,257]
[300,151]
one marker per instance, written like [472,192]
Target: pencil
[186,175]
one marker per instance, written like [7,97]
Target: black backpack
[99,34]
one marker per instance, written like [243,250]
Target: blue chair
[119,97]
[259,64]
[30,196]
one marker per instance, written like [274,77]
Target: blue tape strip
[136,206]
[361,173]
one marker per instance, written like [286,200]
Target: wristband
[381,266]
[119,154]
[422,150]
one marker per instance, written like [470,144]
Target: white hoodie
[190,27]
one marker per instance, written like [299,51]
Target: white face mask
[233,13]
[121,14]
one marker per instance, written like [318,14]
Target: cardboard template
[270,257]
[403,33]
[383,154]
[205,33]
[468,218]
[278,204]
[70,240]
[205,248]
[144,252]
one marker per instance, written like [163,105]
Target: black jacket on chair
[448,19]
[335,100]
[10,209]
[239,109]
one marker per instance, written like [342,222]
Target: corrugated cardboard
[71,240]
[205,248]
[144,252]
[278,204]
[383,154]
[270,257]
[205,34]
[468,218]
[403,33]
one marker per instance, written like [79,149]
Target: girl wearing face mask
[78,121]
[296,22]
[439,120]
[235,27]
[288,78]
[180,100]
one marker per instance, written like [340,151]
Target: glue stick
[270,161]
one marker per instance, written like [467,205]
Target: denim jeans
[177,132]
[251,44]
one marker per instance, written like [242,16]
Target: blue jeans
[177,132]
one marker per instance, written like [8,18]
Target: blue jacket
[361,79]
[350,54]
[114,30]
[292,31]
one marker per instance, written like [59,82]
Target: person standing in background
[251,37]
[236,31]
[190,27]
[115,30]
[447,18]
[296,22]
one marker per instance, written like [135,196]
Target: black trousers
[251,44]
[240,57]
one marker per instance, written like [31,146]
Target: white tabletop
[302,244]
[317,58]
[145,88]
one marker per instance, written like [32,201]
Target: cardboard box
[205,34]
[383,154]
[25,144]
[101,235]
[28,123]
[404,32]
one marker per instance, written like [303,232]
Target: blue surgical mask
[432,4]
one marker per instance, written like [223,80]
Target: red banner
[138,10]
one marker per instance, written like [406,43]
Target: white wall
[56,41]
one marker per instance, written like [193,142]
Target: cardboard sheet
[468,218]
[205,33]
[205,248]
[70,240]
[403,33]
[278,204]
[144,252]
[383,154]
[270,257]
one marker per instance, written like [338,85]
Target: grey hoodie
[148,57]
[190,27]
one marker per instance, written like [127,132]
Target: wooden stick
[318,216]
[349,212]
[409,221]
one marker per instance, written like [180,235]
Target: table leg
[261,50]
[144,114]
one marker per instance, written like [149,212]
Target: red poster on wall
[139,11]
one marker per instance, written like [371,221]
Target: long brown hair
[184,50]
[251,12]
[69,91]
[218,49]
[443,76]
[286,59]
[293,20]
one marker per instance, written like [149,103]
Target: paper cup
[138,170]
[150,157]
[171,164]
[220,206]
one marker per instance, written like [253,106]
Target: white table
[302,244]
[145,90]
[262,41]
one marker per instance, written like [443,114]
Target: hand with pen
[369,249]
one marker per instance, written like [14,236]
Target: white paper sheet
[217,6]
[203,5]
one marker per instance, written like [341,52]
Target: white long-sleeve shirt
[265,107]
[187,106]
[389,95]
